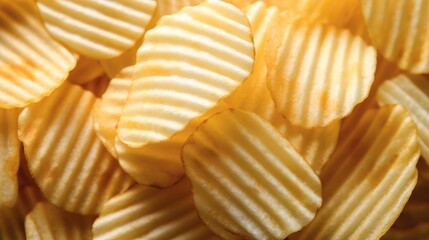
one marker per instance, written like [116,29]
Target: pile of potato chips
[210,119]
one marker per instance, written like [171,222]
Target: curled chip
[317,73]
[46,221]
[248,180]
[98,29]
[12,219]
[86,70]
[413,94]
[32,64]
[65,157]
[399,30]
[108,110]
[368,178]
[10,157]
[185,65]
[144,212]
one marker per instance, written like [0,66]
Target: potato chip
[108,110]
[32,64]
[185,65]
[368,178]
[168,7]
[12,219]
[413,94]
[46,221]
[419,232]
[317,73]
[144,212]
[337,13]
[9,158]
[114,66]
[247,179]
[86,70]
[159,164]
[65,157]
[315,145]
[97,29]
[400,31]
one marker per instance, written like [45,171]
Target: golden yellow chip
[9,157]
[86,70]
[65,157]
[98,29]
[12,219]
[185,65]
[247,179]
[337,13]
[368,178]
[108,110]
[316,144]
[144,212]
[400,31]
[46,221]
[317,73]
[419,232]
[32,64]
[413,94]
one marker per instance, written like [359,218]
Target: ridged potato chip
[12,219]
[144,212]
[337,13]
[10,157]
[168,7]
[86,70]
[247,179]
[413,94]
[317,73]
[46,221]
[98,29]
[400,31]
[368,179]
[65,157]
[185,65]
[316,144]
[32,64]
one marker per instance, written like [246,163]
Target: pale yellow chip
[48,222]
[185,65]
[86,70]
[98,29]
[316,144]
[247,179]
[399,30]
[413,94]
[368,178]
[9,157]
[168,7]
[144,212]
[108,110]
[65,157]
[317,73]
[12,219]
[32,64]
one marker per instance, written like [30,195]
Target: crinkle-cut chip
[98,29]
[9,158]
[145,212]
[317,73]
[418,232]
[168,7]
[32,64]
[385,70]
[86,70]
[108,110]
[185,65]
[159,164]
[65,157]
[248,179]
[46,221]
[315,145]
[368,178]
[12,219]
[400,31]
[413,94]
